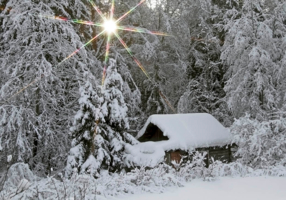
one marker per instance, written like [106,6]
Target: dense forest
[223,57]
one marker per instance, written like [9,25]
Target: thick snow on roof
[189,131]
[185,132]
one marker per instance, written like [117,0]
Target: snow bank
[144,154]
[262,188]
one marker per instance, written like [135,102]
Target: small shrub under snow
[21,182]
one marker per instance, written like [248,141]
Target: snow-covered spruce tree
[131,93]
[204,73]
[114,107]
[169,59]
[85,127]
[34,122]
[115,113]
[98,130]
[253,55]
[155,103]
[159,55]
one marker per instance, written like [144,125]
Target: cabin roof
[189,131]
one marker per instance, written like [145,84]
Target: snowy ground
[154,184]
[252,188]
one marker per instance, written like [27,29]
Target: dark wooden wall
[222,154]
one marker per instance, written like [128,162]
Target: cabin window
[173,156]
[176,156]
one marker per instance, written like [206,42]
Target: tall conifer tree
[98,131]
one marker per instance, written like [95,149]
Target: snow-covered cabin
[168,137]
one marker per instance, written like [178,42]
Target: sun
[110,26]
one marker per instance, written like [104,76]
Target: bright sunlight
[110,26]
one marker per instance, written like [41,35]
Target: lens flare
[130,11]
[141,30]
[77,21]
[106,58]
[132,56]
[110,26]
[97,9]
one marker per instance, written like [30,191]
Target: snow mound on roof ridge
[188,131]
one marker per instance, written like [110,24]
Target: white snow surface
[145,154]
[247,188]
[189,131]
[219,181]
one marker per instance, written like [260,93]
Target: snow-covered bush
[107,185]
[277,170]
[140,180]
[219,169]
[163,175]
[260,144]
[18,172]
[195,168]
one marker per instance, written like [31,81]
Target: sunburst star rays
[77,21]
[110,27]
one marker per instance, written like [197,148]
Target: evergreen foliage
[99,126]
[252,51]
[31,48]
[260,144]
